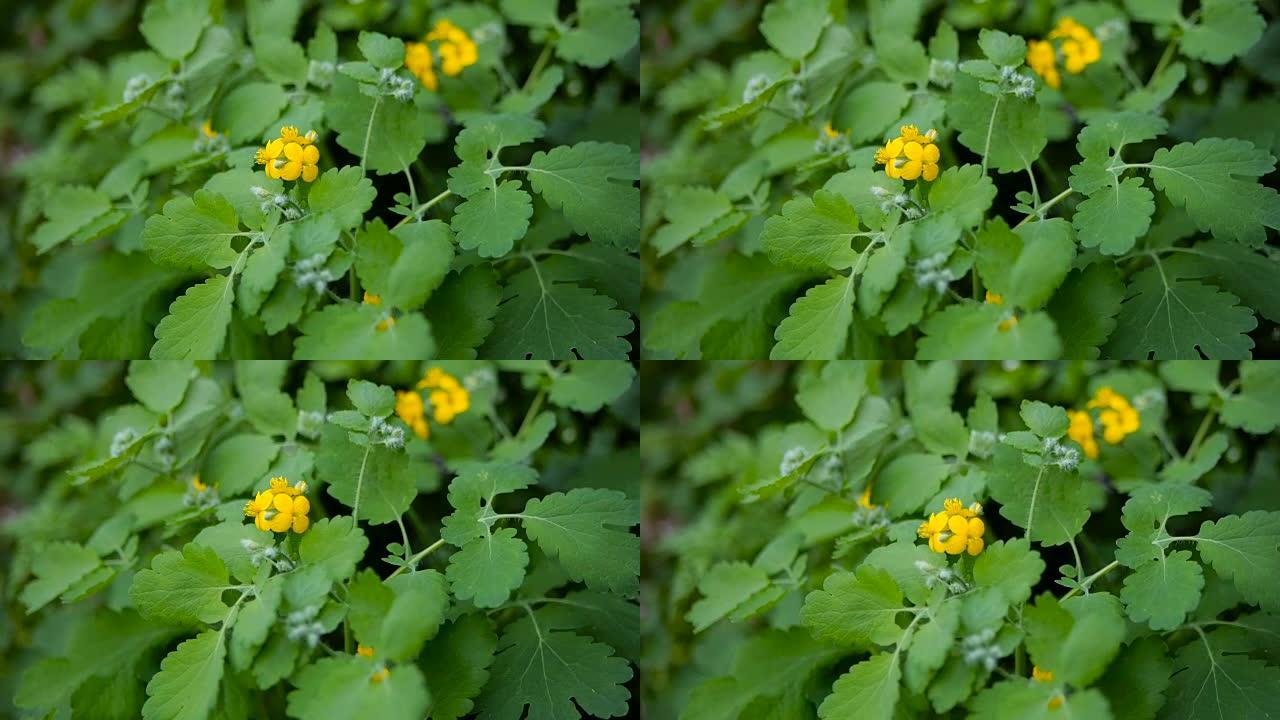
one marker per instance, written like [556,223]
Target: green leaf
[972,330]
[1149,507]
[182,587]
[830,398]
[1014,125]
[197,322]
[1215,179]
[1154,11]
[385,133]
[725,588]
[334,544]
[193,232]
[855,608]
[550,672]
[593,184]
[1246,550]
[533,13]
[543,318]
[1076,639]
[371,399]
[349,331]
[472,492]
[487,569]
[817,326]
[1051,505]
[57,566]
[1028,264]
[1025,699]
[868,111]
[343,686]
[343,194]
[931,645]
[589,385]
[172,27]
[187,685]
[1112,220]
[269,410]
[695,214]
[606,30]
[463,308]
[281,59]
[869,690]
[1194,466]
[457,667]
[1002,48]
[1084,309]
[377,483]
[588,531]
[792,27]
[71,211]
[609,618]
[1226,29]
[1010,567]
[225,539]
[382,51]
[247,111]
[493,219]
[1136,682]
[1047,421]
[908,481]
[414,615]
[1241,686]
[963,192]
[902,59]
[254,623]
[406,265]
[1250,275]
[1161,593]
[1256,407]
[1167,317]
[159,384]
[812,233]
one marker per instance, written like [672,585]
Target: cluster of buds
[392,84]
[831,142]
[1053,452]
[310,273]
[754,87]
[941,72]
[944,576]
[310,423]
[200,495]
[302,626]
[122,440]
[792,459]
[932,272]
[269,554]
[136,86]
[383,433]
[320,73]
[890,201]
[1012,82]
[276,201]
[164,451]
[983,442]
[209,140]
[980,649]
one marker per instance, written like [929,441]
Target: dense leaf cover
[276,179]
[188,541]
[961,180]
[995,541]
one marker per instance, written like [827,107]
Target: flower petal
[930,171]
[913,151]
[309,173]
[291,170]
[910,170]
[930,153]
[280,523]
[293,151]
[301,523]
[311,154]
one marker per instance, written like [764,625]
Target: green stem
[1088,582]
[1201,431]
[1040,211]
[986,150]
[369,130]
[424,207]
[1164,60]
[425,551]
[534,407]
[538,65]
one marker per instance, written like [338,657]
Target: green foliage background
[771,594]
[123,599]
[765,238]
[129,234]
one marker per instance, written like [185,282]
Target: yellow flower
[956,529]
[381,675]
[994,298]
[207,129]
[911,155]
[199,486]
[367,652]
[409,408]
[371,299]
[417,57]
[363,651]
[300,156]
[830,131]
[1045,676]
[1118,417]
[386,322]
[1010,321]
[448,398]
[456,48]
[281,508]
[1081,430]
[1079,46]
[865,499]
[1043,61]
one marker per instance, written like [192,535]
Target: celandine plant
[985,541]
[335,180]
[441,541]
[961,180]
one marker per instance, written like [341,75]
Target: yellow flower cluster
[956,529]
[385,323]
[197,485]
[830,132]
[382,673]
[290,156]
[1077,44]
[281,508]
[1119,419]
[911,155]
[1009,322]
[447,396]
[1044,676]
[453,46]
